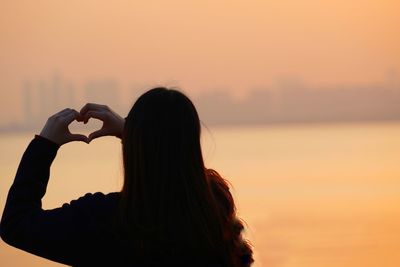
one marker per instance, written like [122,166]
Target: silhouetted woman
[171,211]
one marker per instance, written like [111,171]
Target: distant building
[27,105]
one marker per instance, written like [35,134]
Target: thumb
[79,137]
[97,134]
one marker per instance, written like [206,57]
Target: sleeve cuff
[46,141]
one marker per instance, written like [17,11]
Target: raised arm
[59,234]
[113,124]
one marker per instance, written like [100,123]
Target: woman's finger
[61,113]
[64,111]
[97,134]
[78,137]
[92,106]
[94,114]
[71,116]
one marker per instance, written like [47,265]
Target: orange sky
[198,45]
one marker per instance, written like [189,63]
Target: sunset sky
[197,45]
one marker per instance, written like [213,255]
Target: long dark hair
[171,205]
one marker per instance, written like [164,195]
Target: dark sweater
[78,233]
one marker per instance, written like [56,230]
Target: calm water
[312,195]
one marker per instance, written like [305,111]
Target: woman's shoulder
[100,196]
[97,203]
[97,197]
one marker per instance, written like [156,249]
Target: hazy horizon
[289,101]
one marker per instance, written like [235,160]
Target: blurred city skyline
[290,100]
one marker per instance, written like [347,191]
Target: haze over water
[312,195]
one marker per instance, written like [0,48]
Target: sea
[311,195]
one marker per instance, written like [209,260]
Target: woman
[171,211]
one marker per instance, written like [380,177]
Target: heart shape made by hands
[79,127]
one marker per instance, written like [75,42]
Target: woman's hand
[56,128]
[113,124]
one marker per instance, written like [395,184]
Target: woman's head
[163,129]
[167,202]
[167,121]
